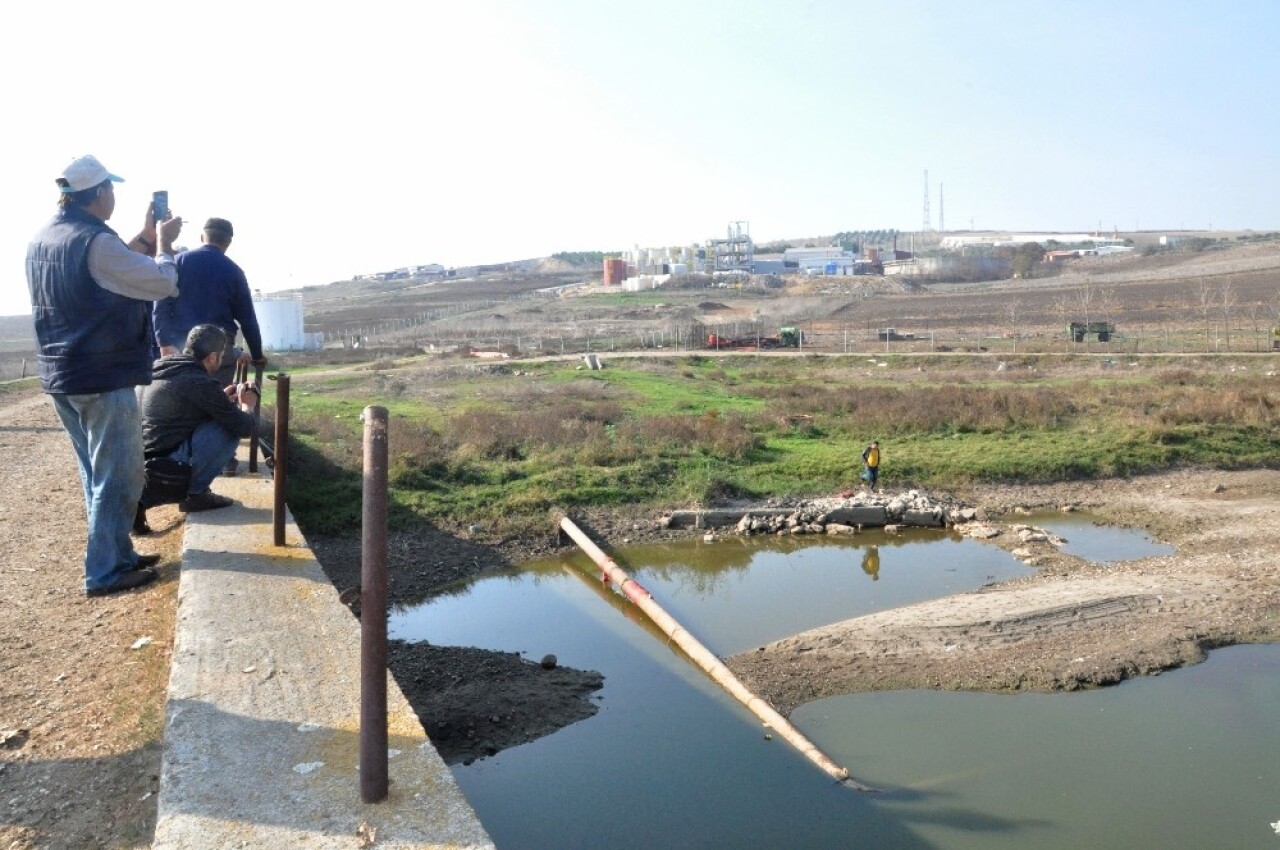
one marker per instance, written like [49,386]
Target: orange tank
[615,271]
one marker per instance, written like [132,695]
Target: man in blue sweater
[90,299]
[212,290]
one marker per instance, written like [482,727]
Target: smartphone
[160,205]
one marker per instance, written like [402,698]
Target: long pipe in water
[705,659]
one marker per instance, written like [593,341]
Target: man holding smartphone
[90,295]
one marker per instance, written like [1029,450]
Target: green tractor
[1079,330]
[790,337]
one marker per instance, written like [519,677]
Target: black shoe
[128,580]
[140,526]
[148,560]
[204,502]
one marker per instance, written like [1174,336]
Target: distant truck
[1079,330]
[891,334]
[786,338]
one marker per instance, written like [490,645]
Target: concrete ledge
[927,519]
[261,742]
[719,517]
[870,516]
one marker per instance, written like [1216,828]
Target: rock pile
[845,515]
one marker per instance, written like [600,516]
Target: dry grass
[951,407]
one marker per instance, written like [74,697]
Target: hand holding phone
[160,205]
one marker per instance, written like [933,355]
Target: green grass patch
[504,447]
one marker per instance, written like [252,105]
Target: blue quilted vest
[90,340]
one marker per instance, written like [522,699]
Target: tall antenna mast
[942,210]
[928,225]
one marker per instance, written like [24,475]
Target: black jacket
[181,397]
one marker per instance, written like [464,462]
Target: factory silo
[280,320]
[615,270]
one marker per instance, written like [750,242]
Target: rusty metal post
[373,610]
[281,470]
[257,419]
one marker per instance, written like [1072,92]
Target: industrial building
[280,320]
[960,242]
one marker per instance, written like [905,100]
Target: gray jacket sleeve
[128,273]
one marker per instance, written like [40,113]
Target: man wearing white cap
[90,302]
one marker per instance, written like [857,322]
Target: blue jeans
[208,451]
[106,433]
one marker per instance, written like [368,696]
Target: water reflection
[739,593]
[1089,538]
[871,562]
[1189,759]
[672,761]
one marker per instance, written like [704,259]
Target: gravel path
[81,711]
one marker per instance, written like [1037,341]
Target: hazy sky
[372,135]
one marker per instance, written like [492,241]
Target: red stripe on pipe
[633,591]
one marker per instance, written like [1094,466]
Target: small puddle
[1094,541]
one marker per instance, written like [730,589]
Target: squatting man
[189,416]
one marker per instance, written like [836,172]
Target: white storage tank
[280,320]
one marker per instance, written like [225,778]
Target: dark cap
[219,225]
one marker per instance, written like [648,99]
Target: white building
[958,242]
[280,320]
[807,257]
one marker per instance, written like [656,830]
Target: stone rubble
[814,516]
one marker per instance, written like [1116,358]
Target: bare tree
[1255,313]
[1204,302]
[1086,296]
[1108,304]
[1062,307]
[1012,309]
[1227,301]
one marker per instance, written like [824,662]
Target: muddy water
[1189,759]
[671,761]
[1102,544]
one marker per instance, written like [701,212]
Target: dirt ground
[83,681]
[81,710]
[82,689]
[1072,624]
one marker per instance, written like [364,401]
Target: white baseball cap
[85,173]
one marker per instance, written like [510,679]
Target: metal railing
[280,466]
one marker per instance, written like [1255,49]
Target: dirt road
[81,709]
